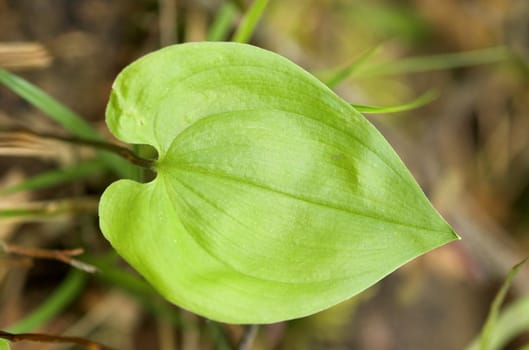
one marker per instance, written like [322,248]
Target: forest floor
[469,150]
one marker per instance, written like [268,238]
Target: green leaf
[274,198]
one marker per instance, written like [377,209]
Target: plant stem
[47,338]
[100,145]
[38,253]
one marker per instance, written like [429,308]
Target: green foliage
[386,21]
[511,322]
[221,26]
[57,111]
[418,102]
[501,327]
[435,62]
[67,118]
[344,73]
[54,304]
[274,198]
[55,177]
[249,22]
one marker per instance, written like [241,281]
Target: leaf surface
[274,198]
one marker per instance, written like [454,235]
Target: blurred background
[469,150]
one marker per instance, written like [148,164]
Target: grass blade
[496,304]
[249,22]
[512,321]
[50,209]
[217,335]
[64,295]
[420,101]
[222,23]
[437,62]
[499,328]
[135,286]
[346,72]
[68,119]
[55,177]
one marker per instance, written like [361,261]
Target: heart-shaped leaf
[274,198]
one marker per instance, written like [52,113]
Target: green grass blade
[68,119]
[511,322]
[346,72]
[437,62]
[249,22]
[107,271]
[63,296]
[148,297]
[135,286]
[50,209]
[217,336]
[38,213]
[496,304]
[117,164]
[55,177]
[221,25]
[496,323]
[422,100]
[20,213]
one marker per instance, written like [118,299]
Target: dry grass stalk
[23,55]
